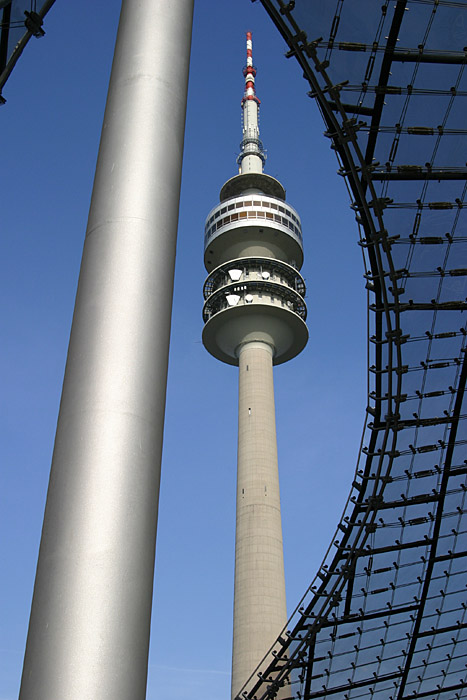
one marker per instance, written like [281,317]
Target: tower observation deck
[254,314]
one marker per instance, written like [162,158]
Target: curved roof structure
[385,617]
[20,20]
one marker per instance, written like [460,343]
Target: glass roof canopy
[19,20]
[385,617]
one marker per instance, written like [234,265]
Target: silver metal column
[89,627]
[260,610]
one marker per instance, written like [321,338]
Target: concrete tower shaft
[254,314]
[259,604]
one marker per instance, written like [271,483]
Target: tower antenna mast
[252,156]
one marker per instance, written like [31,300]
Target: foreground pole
[89,627]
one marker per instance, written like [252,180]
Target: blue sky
[51,127]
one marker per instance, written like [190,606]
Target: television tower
[254,315]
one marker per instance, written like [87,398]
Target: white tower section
[254,315]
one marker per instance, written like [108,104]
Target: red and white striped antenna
[252,156]
[249,72]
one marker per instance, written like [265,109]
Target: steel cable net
[385,617]
[19,21]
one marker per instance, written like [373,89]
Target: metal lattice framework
[20,20]
[385,617]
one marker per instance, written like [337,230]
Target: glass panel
[385,616]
